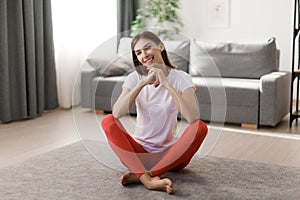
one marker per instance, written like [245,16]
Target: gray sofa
[235,82]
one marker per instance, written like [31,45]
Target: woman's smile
[148,60]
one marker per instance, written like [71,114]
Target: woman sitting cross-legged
[159,91]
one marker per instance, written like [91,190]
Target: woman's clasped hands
[157,75]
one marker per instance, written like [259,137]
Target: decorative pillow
[239,60]
[108,68]
[124,49]
[178,52]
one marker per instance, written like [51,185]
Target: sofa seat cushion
[233,100]
[108,86]
[235,91]
[106,90]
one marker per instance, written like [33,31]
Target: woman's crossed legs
[130,152]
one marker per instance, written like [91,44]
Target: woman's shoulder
[133,75]
[131,80]
[181,79]
[180,73]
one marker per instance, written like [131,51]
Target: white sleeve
[185,81]
[131,80]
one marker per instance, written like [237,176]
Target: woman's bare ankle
[156,183]
[129,178]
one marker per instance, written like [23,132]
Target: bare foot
[129,178]
[156,183]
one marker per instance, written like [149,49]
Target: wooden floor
[24,139]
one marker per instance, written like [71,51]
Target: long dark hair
[150,36]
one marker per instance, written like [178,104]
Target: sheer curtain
[79,26]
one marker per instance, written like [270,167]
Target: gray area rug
[72,173]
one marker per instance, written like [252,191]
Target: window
[79,26]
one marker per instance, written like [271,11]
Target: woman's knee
[199,125]
[202,127]
[112,126]
[107,119]
[200,130]
[108,123]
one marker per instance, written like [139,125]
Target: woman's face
[147,52]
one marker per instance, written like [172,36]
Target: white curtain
[79,26]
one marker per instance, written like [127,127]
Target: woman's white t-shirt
[156,110]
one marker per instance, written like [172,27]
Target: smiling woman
[79,26]
[152,149]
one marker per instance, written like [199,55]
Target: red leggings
[138,160]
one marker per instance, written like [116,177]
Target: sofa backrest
[178,51]
[228,59]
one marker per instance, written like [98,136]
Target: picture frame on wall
[218,13]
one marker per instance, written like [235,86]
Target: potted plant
[162,14]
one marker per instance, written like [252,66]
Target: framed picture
[218,13]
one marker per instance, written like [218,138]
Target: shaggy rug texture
[72,173]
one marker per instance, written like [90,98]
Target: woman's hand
[185,102]
[151,78]
[160,72]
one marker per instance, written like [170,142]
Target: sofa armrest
[274,97]
[86,76]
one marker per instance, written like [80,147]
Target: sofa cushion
[178,52]
[124,48]
[236,91]
[228,59]
[107,90]
[106,68]
[234,100]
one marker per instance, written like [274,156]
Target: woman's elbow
[191,120]
[192,117]
[116,113]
